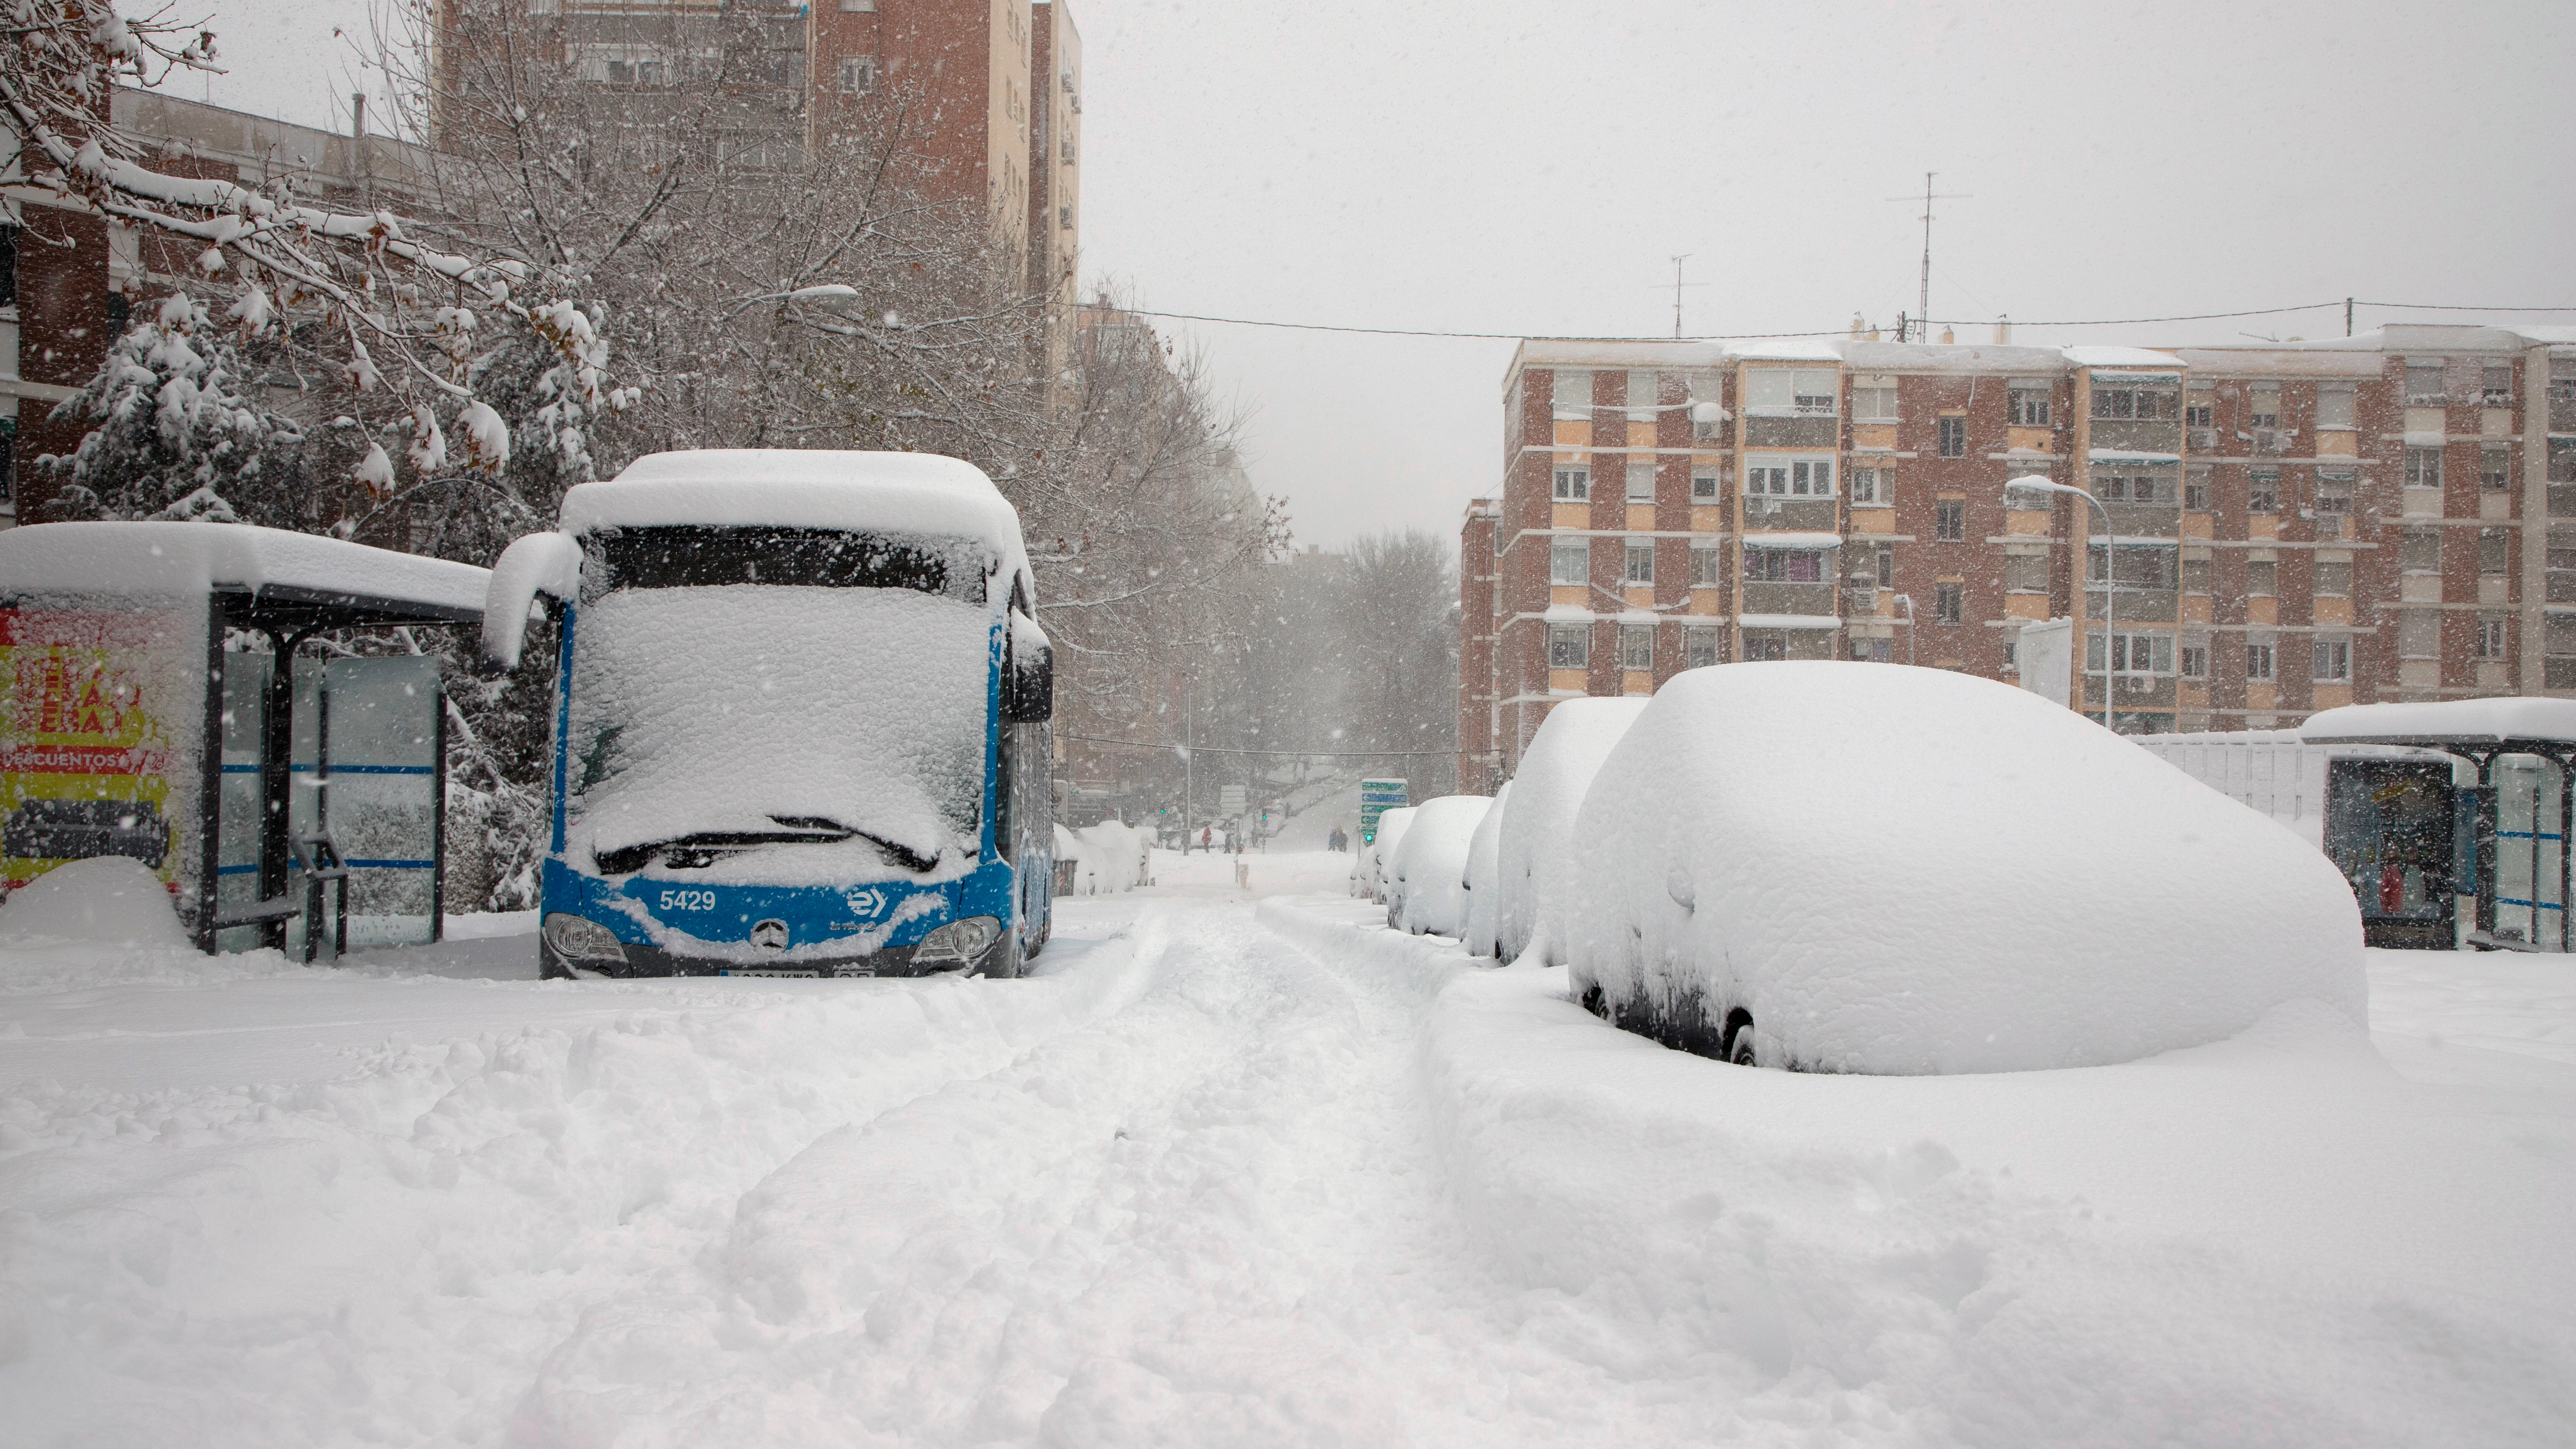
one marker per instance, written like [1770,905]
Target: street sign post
[1378,797]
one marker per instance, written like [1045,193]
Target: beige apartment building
[2297,525]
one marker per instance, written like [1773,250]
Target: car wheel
[1738,1046]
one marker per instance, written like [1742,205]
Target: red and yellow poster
[86,738]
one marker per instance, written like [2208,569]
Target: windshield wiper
[703,849]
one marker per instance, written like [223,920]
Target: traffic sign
[1378,797]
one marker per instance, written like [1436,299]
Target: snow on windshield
[757,710]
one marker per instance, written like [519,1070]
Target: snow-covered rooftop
[164,559]
[2121,357]
[2449,721]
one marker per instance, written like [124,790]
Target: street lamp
[2110,580]
[1908,601]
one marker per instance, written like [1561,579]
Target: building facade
[2297,525]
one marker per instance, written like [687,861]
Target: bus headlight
[577,938]
[959,940]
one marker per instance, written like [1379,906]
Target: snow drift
[1929,874]
[1482,876]
[1536,846]
[1430,893]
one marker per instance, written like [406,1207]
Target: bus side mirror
[1028,692]
[541,563]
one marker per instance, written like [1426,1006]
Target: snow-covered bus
[800,719]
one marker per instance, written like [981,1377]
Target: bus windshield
[778,733]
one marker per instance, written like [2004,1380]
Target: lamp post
[2110,582]
[1908,601]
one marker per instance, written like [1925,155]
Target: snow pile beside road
[1431,864]
[1931,874]
[102,922]
[1484,876]
[1537,845]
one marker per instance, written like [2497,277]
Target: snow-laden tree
[171,424]
[360,304]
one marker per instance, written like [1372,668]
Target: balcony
[2137,605]
[1787,598]
[2202,440]
[1790,515]
[1793,432]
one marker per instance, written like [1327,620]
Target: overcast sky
[1523,166]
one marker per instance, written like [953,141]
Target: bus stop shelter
[2507,832]
[173,697]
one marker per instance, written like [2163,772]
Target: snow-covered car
[1932,873]
[1115,857]
[1428,894]
[1374,854]
[1481,880]
[1535,859]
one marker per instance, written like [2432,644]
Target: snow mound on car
[1904,870]
[1537,843]
[1431,864]
[1483,877]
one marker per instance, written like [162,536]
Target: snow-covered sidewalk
[1248,1172]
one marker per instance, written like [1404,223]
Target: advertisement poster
[87,739]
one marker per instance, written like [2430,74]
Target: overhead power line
[1815,332]
[1213,750]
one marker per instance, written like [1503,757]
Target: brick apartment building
[989,94]
[2389,516]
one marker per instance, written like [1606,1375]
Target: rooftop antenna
[1678,285]
[1923,302]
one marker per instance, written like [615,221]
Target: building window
[2195,488]
[2495,548]
[1953,437]
[2495,386]
[2334,492]
[2199,415]
[2334,579]
[1950,520]
[2419,551]
[2423,467]
[2424,383]
[8,266]
[1636,646]
[1784,566]
[1887,565]
[1573,395]
[2132,654]
[2419,634]
[2029,405]
[2142,566]
[1778,392]
[2195,576]
[1569,646]
[1873,651]
[2263,493]
[2490,638]
[1789,477]
[1569,561]
[2261,578]
[2333,660]
[2149,404]
[2334,407]
[2026,573]
[858,74]
[1873,487]
[1641,561]
[1703,486]
[1699,648]
[2495,466]
[1641,482]
[2135,488]
[2263,407]
[1765,646]
[1573,485]
[1874,400]
[2258,662]
[2195,661]
[1946,603]
[1704,566]
[1641,396]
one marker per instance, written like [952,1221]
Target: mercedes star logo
[770,935]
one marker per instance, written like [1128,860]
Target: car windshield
[776,732]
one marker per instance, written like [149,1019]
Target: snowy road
[1232,1173]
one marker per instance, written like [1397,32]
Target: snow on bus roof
[163,559]
[2449,721]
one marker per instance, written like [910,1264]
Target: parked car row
[1875,868]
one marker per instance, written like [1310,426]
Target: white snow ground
[1238,1172]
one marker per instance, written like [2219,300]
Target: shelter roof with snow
[2473,723]
[322,581]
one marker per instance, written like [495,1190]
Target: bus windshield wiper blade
[900,853]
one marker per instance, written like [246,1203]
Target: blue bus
[800,719]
